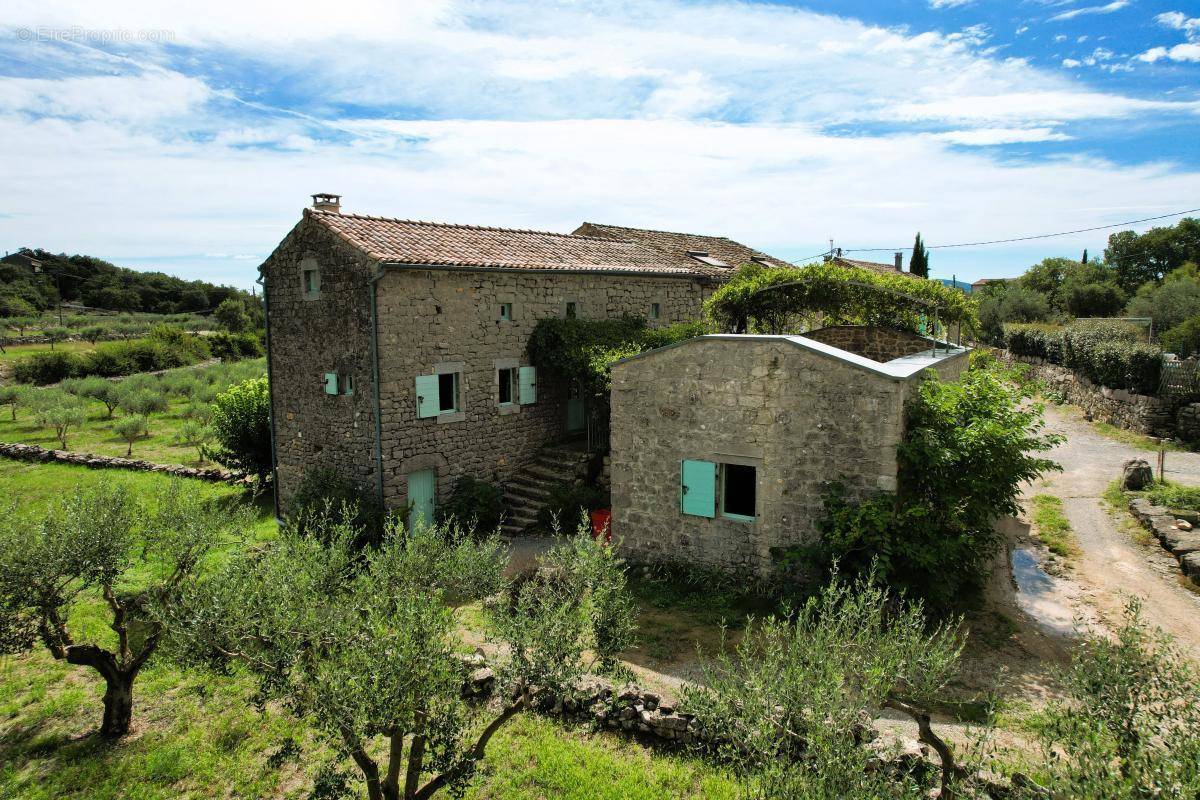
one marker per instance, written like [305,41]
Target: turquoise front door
[422,497]
[576,420]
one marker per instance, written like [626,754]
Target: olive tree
[12,396]
[364,644]
[130,429]
[105,546]
[789,703]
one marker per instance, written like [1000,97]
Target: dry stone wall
[29,452]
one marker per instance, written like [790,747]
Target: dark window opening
[448,392]
[739,490]
[506,311]
[570,311]
[655,310]
[508,380]
[310,281]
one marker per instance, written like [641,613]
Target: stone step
[523,493]
[547,473]
[563,460]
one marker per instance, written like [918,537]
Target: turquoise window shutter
[331,383]
[698,489]
[527,377]
[427,396]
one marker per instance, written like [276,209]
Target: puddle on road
[1036,593]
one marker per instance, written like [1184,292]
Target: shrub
[242,428]
[325,500]
[165,348]
[93,333]
[1184,339]
[95,388]
[474,504]
[231,347]
[1112,354]
[1130,721]
[56,334]
[565,505]
[231,315]
[968,447]
[1036,340]
[141,402]
[45,368]
[130,429]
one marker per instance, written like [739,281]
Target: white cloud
[1180,52]
[940,4]
[1071,63]
[1180,22]
[1023,107]
[996,136]
[135,99]
[1116,5]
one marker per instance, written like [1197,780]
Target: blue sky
[188,139]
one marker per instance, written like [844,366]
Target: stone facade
[877,344]
[428,320]
[799,414]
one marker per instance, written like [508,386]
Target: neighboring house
[897,266]
[979,284]
[723,445]
[397,349]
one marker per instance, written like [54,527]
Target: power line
[1025,238]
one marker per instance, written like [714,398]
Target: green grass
[1175,496]
[97,436]
[16,352]
[198,736]
[1137,440]
[1052,526]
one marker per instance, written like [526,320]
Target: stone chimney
[327,202]
[899,262]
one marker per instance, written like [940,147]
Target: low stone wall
[1175,535]
[31,452]
[1135,412]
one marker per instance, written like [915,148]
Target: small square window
[447,392]
[346,384]
[655,310]
[739,491]
[507,381]
[506,312]
[571,313]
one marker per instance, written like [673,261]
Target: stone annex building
[722,446]
[397,348]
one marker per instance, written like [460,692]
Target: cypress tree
[919,263]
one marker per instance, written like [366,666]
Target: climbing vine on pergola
[771,299]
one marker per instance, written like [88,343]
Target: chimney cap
[326,201]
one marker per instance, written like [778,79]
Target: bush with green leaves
[132,399]
[93,333]
[94,545]
[362,643]
[235,347]
[13,397]
[1112,354]
[324,496]
[241,423]
[789,704]
[130,428]
[1184,339]
[231,315]
[1005,302]
[56,334]
[196,433]
[95,388]
[1129,724]
[164,348]
[566,504]
[968,447]
[474,504]
[1034,339]
[61,413]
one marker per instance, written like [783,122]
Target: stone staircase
[527,492]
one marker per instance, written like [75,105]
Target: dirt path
[1113,566]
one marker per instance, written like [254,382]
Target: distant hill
[30,281]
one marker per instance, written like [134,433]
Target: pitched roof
[685,247]
[413,242]
[874,266]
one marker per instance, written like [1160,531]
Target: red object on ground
[601,524]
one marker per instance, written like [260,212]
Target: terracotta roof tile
[679,245]
[413,242]
[874,266]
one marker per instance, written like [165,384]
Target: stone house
[723,445]
[397,349]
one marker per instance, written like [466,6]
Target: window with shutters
[739,492]
[506,380]
[440,395]
[506,312]
[448,393]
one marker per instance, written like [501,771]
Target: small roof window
[703,257]
[766,262]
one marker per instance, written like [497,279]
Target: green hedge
[164,348]
[1107,353]
[234,346]
[1034,339]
